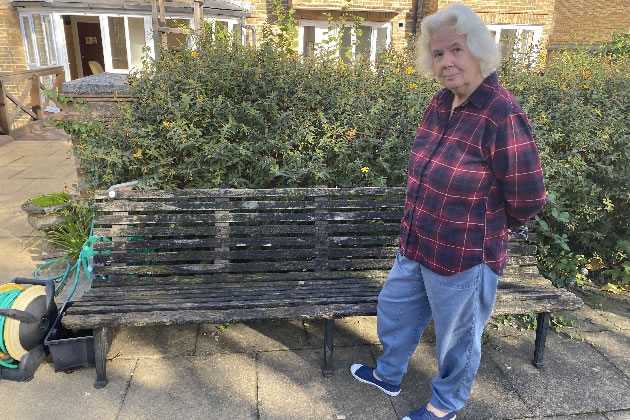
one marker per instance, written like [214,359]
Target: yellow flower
[351,134]
[598,112]
[365,169]
[585,86]
[193,54]
[412,86]
[595,263]
[409,70]
[544,117]
[138,154]
[166,124]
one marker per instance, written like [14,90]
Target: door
[90,45]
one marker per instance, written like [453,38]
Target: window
[39,40]
[370,42]
[517,41]
[174,40]
[124,40]
[232,26]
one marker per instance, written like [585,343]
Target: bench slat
[239,267]
[122,291]
[244,278]
[173,298]
[269,241]
[269,229]
[165,218]
[567,301]
[326,311]
[249,193]
[303,205]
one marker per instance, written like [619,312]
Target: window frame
[106,40]
[232,23]
[537,29]
[34,49]
[321,29]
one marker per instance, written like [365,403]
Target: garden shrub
[580,110]
[224,114]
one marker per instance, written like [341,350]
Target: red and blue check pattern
[472,176]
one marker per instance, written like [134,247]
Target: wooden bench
[233,255]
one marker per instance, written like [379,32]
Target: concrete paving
[271,370]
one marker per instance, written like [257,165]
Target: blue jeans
[460,305]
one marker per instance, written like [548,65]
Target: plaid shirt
[472,176]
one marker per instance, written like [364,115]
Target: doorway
[90,45]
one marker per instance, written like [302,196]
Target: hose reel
[26,316]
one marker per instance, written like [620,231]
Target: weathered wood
[171,206]
[246,279]
[327,311]
[228,255]
[195,218]
[251,193]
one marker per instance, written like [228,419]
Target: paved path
[270,370]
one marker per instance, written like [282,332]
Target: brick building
[113,33]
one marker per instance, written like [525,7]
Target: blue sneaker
[423,414]
[365,374]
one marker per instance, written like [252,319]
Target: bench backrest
[235,234]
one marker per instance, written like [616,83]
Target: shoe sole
[390,393]
[407,418]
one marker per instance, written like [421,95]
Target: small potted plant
[47,210]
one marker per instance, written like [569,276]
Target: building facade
[112,35]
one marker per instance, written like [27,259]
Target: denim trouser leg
[403,312]
[460,306]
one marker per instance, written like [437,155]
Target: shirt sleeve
[515,162]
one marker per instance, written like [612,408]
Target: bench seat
[228,255]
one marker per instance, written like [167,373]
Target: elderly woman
[474,174]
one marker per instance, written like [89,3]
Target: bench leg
[101,346]
[542,327]
[328,347]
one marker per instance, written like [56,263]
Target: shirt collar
[480,96]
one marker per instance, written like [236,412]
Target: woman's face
[453,63]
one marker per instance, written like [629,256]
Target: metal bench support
[542,327]
[102,341]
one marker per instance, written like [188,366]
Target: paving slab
[251,337]
[154,341]
[45,172]
[61,395]
[492,395]
[575,379]
[353,331]
[221,386]
[291,386]
[618,415]
[614,346]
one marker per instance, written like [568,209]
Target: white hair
[463,21]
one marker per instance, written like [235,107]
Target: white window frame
[537,29]
[213,19]
[107,48]
[232,23]
[321,32]
[35,52]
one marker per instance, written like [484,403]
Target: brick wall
[581,21]
[525,12]
[12,56]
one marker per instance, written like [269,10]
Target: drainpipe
[246,27]
[415,15]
